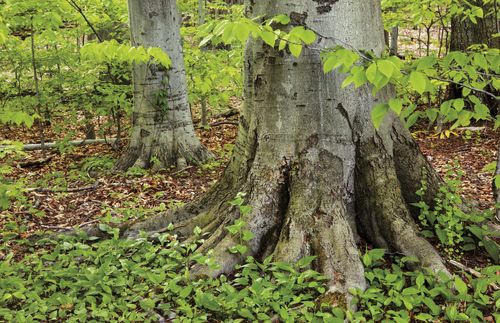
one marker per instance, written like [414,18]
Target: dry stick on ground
[227,114]
[52,145]
[181,170]
[220,123]
[471,271]
[68,190]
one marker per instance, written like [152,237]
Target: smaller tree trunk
[394,40]
[496,190]
[41,129]
[162,128]
[89,125]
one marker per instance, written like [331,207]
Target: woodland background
[66,86]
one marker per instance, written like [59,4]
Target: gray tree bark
[315,171]
[162,126]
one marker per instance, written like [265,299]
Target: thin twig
[68,190]
[181,170]
[464,85]
[80,11]
[220,123]
[471,271]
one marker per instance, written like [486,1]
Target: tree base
[301,208]
[161,154]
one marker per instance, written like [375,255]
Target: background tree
[482,30]
[162,127]
[314,169]
[466,32]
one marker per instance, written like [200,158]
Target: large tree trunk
[315,171]
[162,125]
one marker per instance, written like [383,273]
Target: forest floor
[77,188]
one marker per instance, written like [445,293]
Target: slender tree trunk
[315,171]
[162,126]
[38,107]
[201,12]
[394,40]
[496,190]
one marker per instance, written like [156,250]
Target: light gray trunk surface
[162,125]
[314,169]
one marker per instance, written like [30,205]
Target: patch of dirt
[95,194]
[472,152]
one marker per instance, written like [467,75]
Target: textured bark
[314,169]
[162,125]
[465,33]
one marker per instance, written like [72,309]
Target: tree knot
[324,6]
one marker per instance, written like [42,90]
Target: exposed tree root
[412,168]
[163,153]
[299,209]
[384,215]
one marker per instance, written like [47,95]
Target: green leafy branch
[114,52]
[238,229]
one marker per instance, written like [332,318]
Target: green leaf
[492,248]
[147,304]
[424,317]
[412,119]
[329,64]
[420,280]
[282,19]
[481,61]
[378,114]
[242,32]
[435,309]
[207,300]
[431,114]
[247,235]
[295,49]
[371,73]
[481,112]
[159,55]
[245,209]
[269,38]
[396,106]
[386,67]
[418,81]
[308,37]
[459,104]
[305,262]
[367,260]
[377,253]
[460,285]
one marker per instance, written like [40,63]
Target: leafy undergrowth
[150,281]
[79,279]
